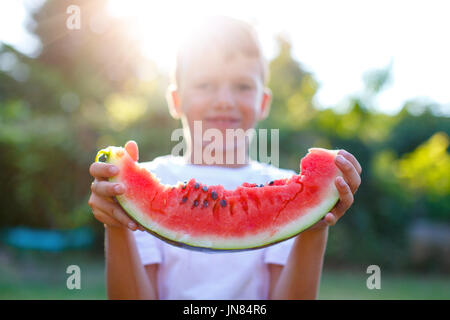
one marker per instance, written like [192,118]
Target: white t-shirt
[187,274]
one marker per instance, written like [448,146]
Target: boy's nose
[224,98]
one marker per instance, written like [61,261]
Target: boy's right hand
[105,207]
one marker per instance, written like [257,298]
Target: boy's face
[222,94]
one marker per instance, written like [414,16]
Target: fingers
[132,149]
[346,185]
[111,213]
[330,219]
[345,199]
[102,170]
[102,201]
[327,221]
[347,155]
[105,218]
[350,174]
[321,224]
[106,188]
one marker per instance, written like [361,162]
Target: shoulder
[167,168]
[167,163]
[163,161]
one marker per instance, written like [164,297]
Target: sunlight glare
[160,27]
[336,42]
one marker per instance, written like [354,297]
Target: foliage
[57,110]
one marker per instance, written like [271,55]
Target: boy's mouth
[222,121]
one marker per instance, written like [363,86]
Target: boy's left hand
[346,186]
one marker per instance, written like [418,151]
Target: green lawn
[352,285]
[36,275]
[33,275]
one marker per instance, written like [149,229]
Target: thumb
[132,149]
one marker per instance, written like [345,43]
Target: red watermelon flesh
[211,218]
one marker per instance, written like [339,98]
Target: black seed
[196,186]
[214,195]
[184,200]
[223,203]
[270,183]
[205,204]
[195,203]
[205,188]
[261,185]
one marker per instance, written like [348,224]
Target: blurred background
[369,77]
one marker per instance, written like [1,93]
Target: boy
[220,80]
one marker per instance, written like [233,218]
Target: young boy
[219,80]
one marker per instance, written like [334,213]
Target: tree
[293,89]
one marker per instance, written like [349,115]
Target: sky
[337,41]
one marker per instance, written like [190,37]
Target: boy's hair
[229,35]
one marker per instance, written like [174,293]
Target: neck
[227,158]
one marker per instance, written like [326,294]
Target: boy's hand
[102,201]
[346,186]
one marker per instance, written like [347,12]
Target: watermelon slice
[211,218]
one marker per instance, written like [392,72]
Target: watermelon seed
[270,183]
[223,203]
[205,204]
[196,186]
[195,203]
[205,188]
[184,200]
[214,195]
[261,185]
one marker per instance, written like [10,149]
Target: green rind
[195,247]
[106,152]
[192,246]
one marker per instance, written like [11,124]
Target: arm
[306,255]
[126,277]
[300,277]
[152,273]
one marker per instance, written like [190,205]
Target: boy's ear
[265,103]
[173,101]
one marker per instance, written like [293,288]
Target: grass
[37,275]
[351,285]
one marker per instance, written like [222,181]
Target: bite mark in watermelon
[211,218]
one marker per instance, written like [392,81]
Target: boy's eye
[244,86]
[203,85]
